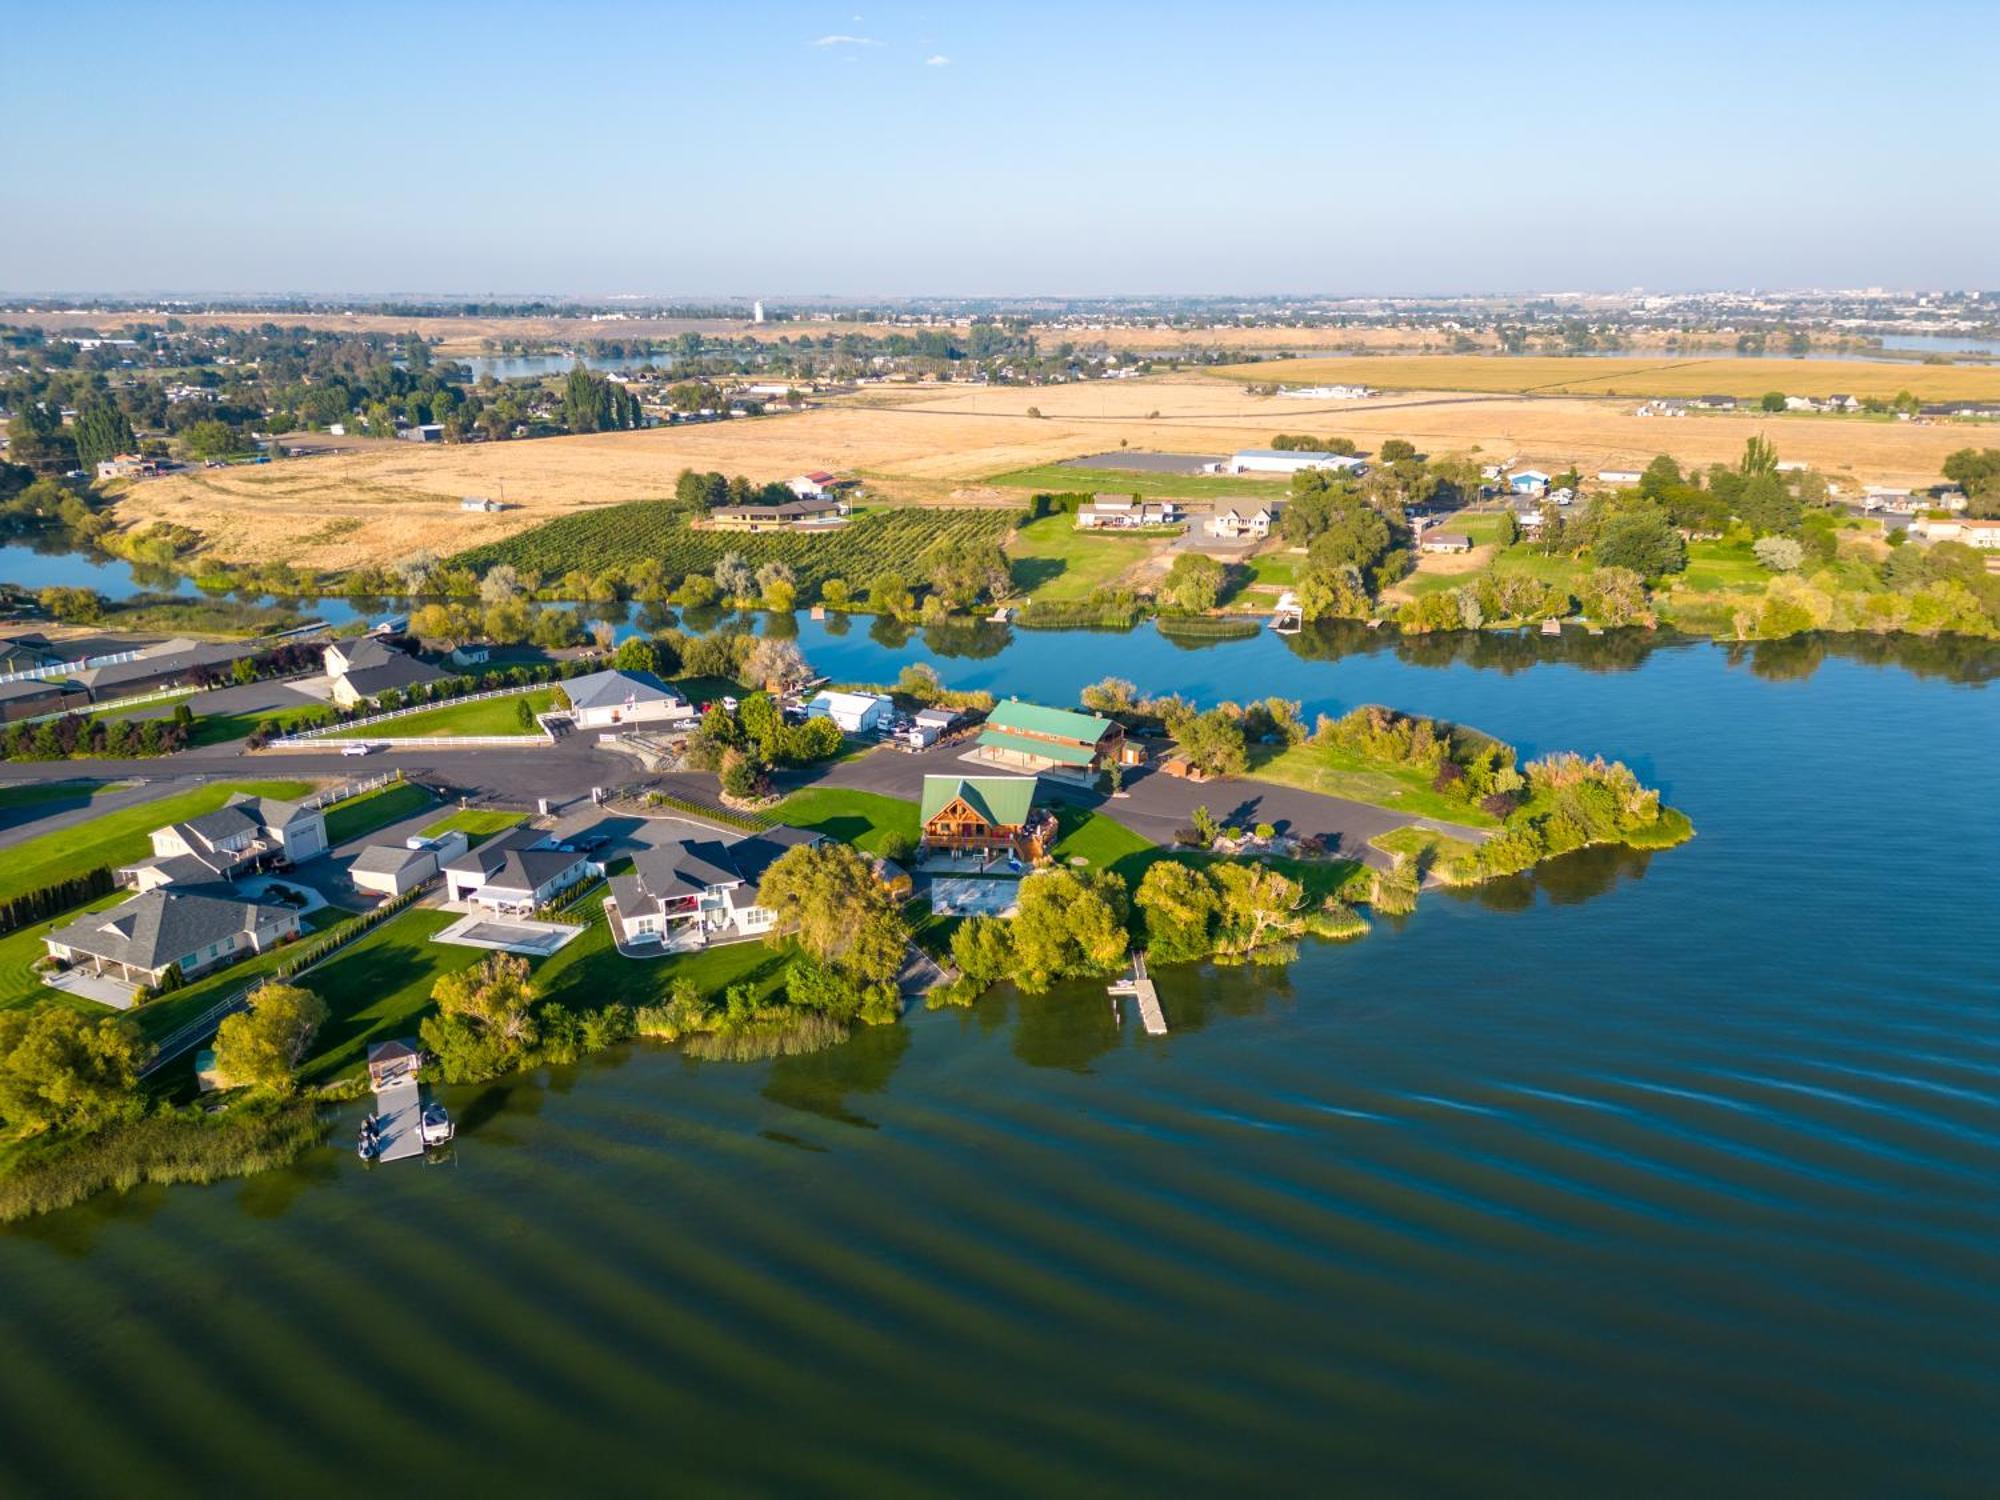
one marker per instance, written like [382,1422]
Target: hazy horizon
[1040,151]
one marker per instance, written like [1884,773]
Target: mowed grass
[1336,772]
[1108,846]
[120,837]
[1716,567]
[483,716]
[377,990]
[37,794]
[1657,376]
[475,823]
[867,820]
[1053,559]
[1520,559]
[376,809]
[1067,479]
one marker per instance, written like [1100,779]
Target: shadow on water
[1569,881]
[818,1083]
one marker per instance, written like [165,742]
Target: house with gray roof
[600,700]
[516,872]
[368,666]
[159,930]
[244,835]
[693,892]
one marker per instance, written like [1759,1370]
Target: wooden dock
[399,1117]
[1145,994]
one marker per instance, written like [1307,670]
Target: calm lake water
[1655,1175]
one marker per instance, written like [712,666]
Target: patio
[961,896]
[102,988]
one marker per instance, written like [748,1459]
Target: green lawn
[1481,525]
[481,716]
[1279,569]
[864,819]
[1717,567]
[1108,844]
[37,793]
[220,729]
[377,809]
[1341,773]
[1060,479]
[1518,559]
[475,823]
[588,971]
[1053,559]
[377,990]
[1100,841]
[120,837]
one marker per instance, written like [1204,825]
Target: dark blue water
[1656,1175]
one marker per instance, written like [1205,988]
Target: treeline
[47,901]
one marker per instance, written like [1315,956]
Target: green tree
[1214,743]
[1644,541]
[63,1071]
[101,432]
[828,899]
[263,1046]
[1068,926]
[210,438]
[1178,905]
[983,949]
[1193,584]
[1772,401]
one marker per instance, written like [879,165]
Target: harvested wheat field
[939,445]
[1663,376]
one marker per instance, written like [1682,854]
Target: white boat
[437,1126]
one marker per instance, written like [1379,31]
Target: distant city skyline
[857,153]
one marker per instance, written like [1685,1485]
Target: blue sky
[858,150]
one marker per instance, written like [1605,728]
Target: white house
[1291,461]
[601,700]
[1113,512]
[516,872]
[1447,541]
[695,891]
[815,484]
[245,834]
[1619,476]
[1983,534]
[367,666]
[480,503]
[855,713]
[1238,525]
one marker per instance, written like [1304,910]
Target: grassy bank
[867,820]
[1335,772]
[1056,561]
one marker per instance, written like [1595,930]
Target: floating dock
[1145,995]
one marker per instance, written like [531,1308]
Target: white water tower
[756,312]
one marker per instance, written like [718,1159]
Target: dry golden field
[939,445]
[1664,376]
[466,335]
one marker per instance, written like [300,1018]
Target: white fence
[426,742]
[91,710]
[347,791]
[345,729]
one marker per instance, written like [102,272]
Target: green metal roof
[1067,755]
[1033,718]
[1002,800]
